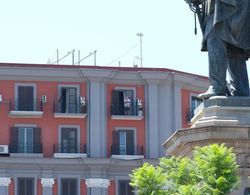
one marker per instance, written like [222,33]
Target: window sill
[126,117]
[69,115]
[70,155]
[25,114]
[28,155]
[128,157]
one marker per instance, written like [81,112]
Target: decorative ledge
[47,182]
[28,155]
[25,114]
[5,181]
[97,183]
[70,155]
[126,117]
[128,157]
[69,115]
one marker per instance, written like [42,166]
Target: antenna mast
[140,35]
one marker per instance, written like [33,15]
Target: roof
[137,69]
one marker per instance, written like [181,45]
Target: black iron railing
[31,105]
[73,148]
[69,107]
[25,148]
[126,150]
[135,108]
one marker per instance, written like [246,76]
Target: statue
[225,25]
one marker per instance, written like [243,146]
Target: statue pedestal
[223,111]
[218,120]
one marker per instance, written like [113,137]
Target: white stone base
[222,111]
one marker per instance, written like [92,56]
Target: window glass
[25,186]
[25,140]
[69,140]
[124,188]
[69,186]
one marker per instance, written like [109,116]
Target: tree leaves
[211,171]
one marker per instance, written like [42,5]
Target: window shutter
[14,139]
[130,147]
[115,146]
[37,147]
[115,103]
[25,98]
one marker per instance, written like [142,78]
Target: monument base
[218,120]
[223,111]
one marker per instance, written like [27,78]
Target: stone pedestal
[218,120]
[223,111]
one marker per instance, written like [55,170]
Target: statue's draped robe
[230,21]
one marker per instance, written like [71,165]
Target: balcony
[32,109]
[127,152]
[72,109]
[133,112]
[70,151]
[26,150]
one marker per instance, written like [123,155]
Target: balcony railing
[135,109]
[74,107]
[63,148]
[126,150]
[34,105]
[25,148]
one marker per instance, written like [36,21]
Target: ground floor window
[68,186]
[25,186]
[124,188]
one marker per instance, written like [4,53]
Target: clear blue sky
[32,30]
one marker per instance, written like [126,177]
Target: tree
[211,171]
[149,180]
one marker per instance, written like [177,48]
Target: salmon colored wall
[138,124]
[185,94]
[83,188]
[39,187]
[11,187]
[47,123]
[55,187]
[111,189]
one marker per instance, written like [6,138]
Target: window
[195,102]
[25,98]
[68,100]
[123,142]
[68,186]
[123,102]
[247,191]
[69,140]
[124,188]
[25,186]
[25,140]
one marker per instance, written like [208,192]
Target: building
[76,130]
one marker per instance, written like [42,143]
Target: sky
[33,30]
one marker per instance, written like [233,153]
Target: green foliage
[211,171]
[148,179]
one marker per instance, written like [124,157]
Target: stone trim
[47,182]
[5,181]
[97,183]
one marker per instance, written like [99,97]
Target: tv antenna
[90,54]
[140,35]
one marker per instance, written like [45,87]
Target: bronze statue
[226,36]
